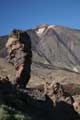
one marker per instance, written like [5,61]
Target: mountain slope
[58,46]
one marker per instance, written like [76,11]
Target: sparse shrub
[7,113]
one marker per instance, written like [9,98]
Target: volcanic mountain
[55,58]
[56,46]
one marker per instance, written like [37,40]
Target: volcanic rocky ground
[56,58]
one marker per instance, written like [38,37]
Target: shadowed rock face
[20,55]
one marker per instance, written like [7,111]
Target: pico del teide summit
[57,46]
